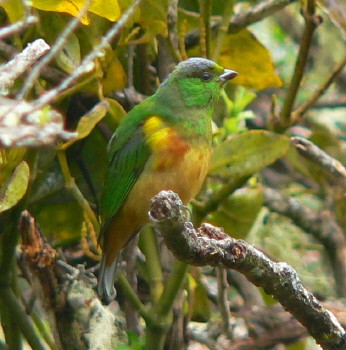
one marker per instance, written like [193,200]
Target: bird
[164,143]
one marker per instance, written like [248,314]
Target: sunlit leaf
[246,153]
[87,123]
[114,78]
[108,9]
[243,53]
[238,212]
[13,190]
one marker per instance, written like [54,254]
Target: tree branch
[17,27]
[21,63]
[21,125]
[242,20]
[301,110]
[328,164]
[311,23]
[322,227]
[87,63]
[209,245]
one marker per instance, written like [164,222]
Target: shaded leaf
[153,19]
[239,211]
[247,153]
[108,9]
[61,222]
[87,123]
[51,26]
[200,304]
[13,190]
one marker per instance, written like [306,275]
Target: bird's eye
[206,76]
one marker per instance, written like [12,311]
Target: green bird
[164,143]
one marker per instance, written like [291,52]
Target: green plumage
[163,143]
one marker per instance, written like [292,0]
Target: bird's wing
[128,153]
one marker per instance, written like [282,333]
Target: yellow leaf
[108,9]
[246,55]
[14,9]
[13,190]
[243,53]
[114,77]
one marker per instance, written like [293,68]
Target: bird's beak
[227,75]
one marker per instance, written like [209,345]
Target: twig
[301,110]
[21,126]
[131,314]
[242,20]
[52,75]
[205,13]
[87,63]
[17,27]
[223,28]
[24,322]
[327,163]
[21,63]
[209,245]
[58,45]
[222,285]
[311,23]
[256,13]
[322,227]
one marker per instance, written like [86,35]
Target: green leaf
[200,304]
[108,9]
[88,122]
[61,220]
[153,19]
[116,112]
[50,27]
[247,153]
[13,190]
[239,211]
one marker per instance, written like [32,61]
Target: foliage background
[289,55]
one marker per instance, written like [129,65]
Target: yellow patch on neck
[167,146]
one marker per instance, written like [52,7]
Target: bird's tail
[107,276]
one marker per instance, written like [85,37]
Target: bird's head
[200,81]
